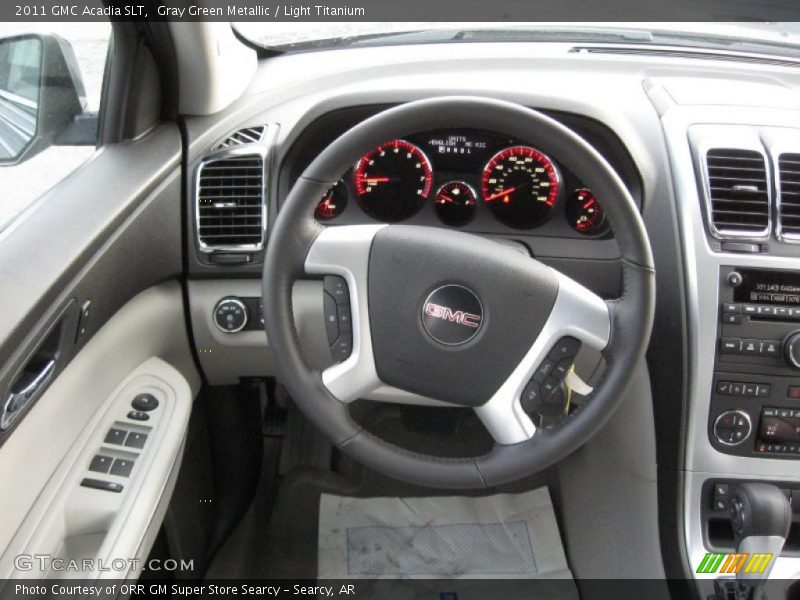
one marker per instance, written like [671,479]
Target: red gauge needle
[500,194]
[444,199]
[376,179]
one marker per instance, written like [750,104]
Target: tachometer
[393,181]
[520,185]
[585,214]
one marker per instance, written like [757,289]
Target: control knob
[230,315]
[791,349]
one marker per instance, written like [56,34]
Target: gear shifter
[761,519]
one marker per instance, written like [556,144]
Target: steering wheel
[451,316]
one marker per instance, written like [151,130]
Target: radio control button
[750,390]
[751,309]
[737,389]
[794,313]
[770,348]
[731,307]
[751,346]
[724,388]
[766,311]
[730,346]
[782,312]
[732,319]
[763,390]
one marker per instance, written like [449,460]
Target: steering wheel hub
[452,314]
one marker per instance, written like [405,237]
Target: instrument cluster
[460,175]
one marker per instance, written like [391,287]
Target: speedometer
[520,186]
[393,181]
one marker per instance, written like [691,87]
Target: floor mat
[504,536]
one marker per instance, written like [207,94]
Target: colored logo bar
[734,563]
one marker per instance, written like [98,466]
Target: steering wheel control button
[531,397]
[342,348]
[135,440]
[138,415]
[566,347]
[99,484]
[452,315]
[331,318]
[732,427]
[230,315]
[337,287]
[122,467]
[116,436]
[145,402]
[338,317]
[100,463]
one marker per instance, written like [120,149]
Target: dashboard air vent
[789,205]
[737,188]
[248,135]
[231,209]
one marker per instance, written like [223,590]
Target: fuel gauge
[333,203]
[585,214]
[455,203]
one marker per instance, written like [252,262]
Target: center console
[755,397]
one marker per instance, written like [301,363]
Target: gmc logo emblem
[448,314]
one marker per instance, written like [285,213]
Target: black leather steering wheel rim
[295,230]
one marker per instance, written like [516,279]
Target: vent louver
[248,135]
[738,192]
[789,206]
[231,211]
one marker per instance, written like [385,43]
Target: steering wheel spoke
[578,317]
[344,251]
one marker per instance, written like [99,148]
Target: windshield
[774,38]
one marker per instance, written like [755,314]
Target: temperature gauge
[455,203]
[333,204]
[584,213]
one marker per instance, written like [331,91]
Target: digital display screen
[460,151]
[782,428]
[768,287]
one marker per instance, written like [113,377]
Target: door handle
[16,401]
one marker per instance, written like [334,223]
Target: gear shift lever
[761,519]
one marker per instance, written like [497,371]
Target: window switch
[99,484]
[122,467]
[115,436]
[100,463]
[135,440]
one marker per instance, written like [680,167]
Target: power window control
[135,440]
[100,463]
[115,436]
[122,467]
[138,415]
[99,484]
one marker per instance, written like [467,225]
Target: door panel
[143,347]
